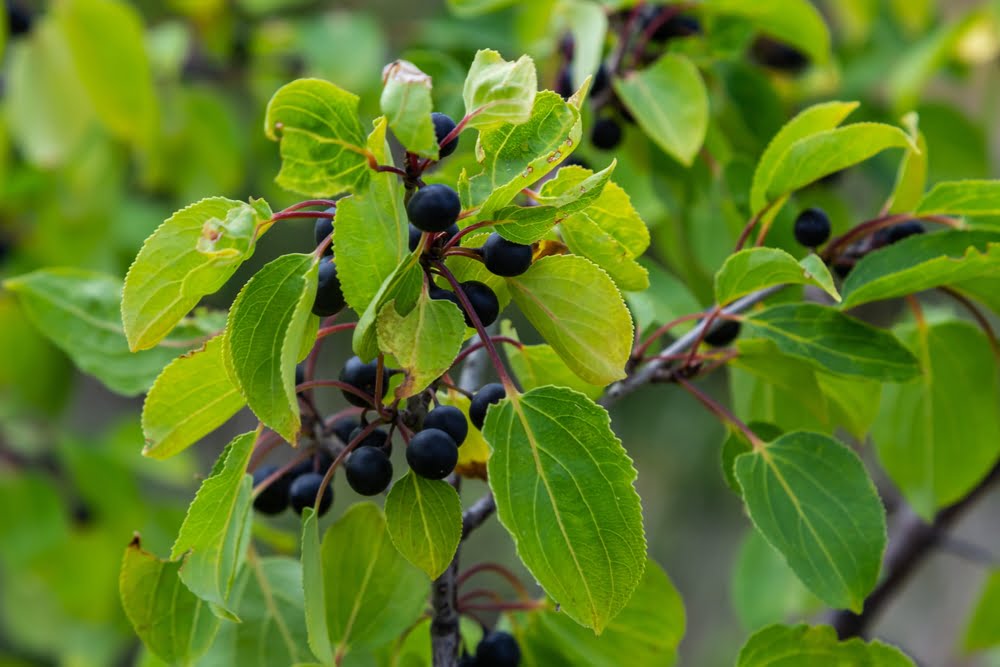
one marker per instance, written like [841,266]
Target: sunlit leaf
[424,520]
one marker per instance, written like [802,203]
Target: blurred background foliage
[114,114]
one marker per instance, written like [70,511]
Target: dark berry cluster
[488,394]
[433,451]
[496,649]
[297,486]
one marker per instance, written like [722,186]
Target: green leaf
[267,596]
[736,443]
[192,397]
[764,588]
[834,342]
[757,268]
[476,7]
[912,175]
[322,143]
[375,594]
[814,120]
[782,645]
[593,337]
[588,24]
[113,68]
[216,530]
[962,198]
[515,155]
[539,365]
[793,375]
[982,631]
[370,230]
[168,618]
[424,519]
[646,632]
[670,103]
[937,438]
[498,92]
[921,262]
[189,256]
[579,528]
[813,501]
[79,311]
[314,586]
[407,104]
[403,287]
[796,22]
[424,342]
[263,339]
[824,153]
[575,188]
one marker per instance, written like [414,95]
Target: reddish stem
[748,228]
[286,215]
[984,323]
[721,412]
[479,345]
[273,477]
[640,351]
[496,568]
[343,386]
[457,238]
[336,328]
[365,432]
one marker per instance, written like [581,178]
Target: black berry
[564,84]
[498,649]
[443,237]
[432,454]
[467,661]
[484,301]
[320,462]
[601,80]
[487,395]
[300,374]
[377,438]
[812,228]
[778,55]
[323,229]
[449,419]
[415,235]
[722,333]
[329,298]
[434,208]
[304,490]
[343,427]
[505,258]
[18,19]
[368,471]
[362,376]
[902,230]
[436,292]
[606,134]
[443,125]
[274,498]
[678,25]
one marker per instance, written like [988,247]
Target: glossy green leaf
[498,92]
[764,588]
[921,262]
[189,256]
[812,500]
[575,188]
[79,311]
[797,23]
[114,69]
[372,593]
[824,153]
[264,335]
[937,437]
[788,646]
[753,269]
[834,342]
[216,531]
[515,155]
[564,490]
[406,103]
[267,596]
[811,121]
[403,287]
[962,198]
[670,104]
[322,143]
[423,342]
[370,232]
[192,397]
[593,337]
[912,175]
[982,631]
[314,587]
[169,619]
[646,632]
[539,365]
[424,520]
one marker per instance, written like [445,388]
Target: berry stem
[834,247]
[309,202]
[464,252]
[321,248]
[457,238]
[529,605]
[977,314]
[640,351]
[273,477]
[479,345]
[661,19]
[751,223]
[343,386]
[491,349]
[287,215]
[336,328]
[721,412]
[709,321]
[496,568]
[365,432]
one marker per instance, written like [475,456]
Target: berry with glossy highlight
[812,228]
[362,376]
[484,301]
[304,490]
[505,258]
[487,395]
[443,125]
[368,471]
[344,427]
[723,333]
[329,297]
[323,229]
[432,454]
[606,134]
[434,208]
[449,419]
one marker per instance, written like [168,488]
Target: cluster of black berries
[329,297]
[19,20]
[297,487]
[433,450]
[367,468]
[496,649]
